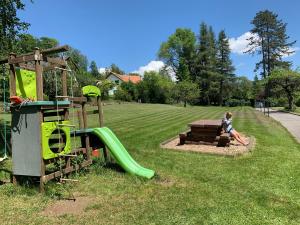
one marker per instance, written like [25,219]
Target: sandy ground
[63,207]
[233,149]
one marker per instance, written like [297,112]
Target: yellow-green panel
[26,84]
[47,130]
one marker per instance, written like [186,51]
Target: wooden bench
[208,131]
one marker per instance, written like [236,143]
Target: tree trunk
[291,101]
[184,103]
[221,93]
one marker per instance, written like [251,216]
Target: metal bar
[65,125]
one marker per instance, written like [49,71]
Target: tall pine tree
[205,62]
[224,64]
[270,41]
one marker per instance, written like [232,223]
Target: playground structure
[208,131]
[47,148]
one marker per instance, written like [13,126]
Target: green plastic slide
[120,153]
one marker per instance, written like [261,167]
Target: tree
[94,69]
[178,52]
[183,72]
[270,41]
[224,64]
[155,88]
[47,42]
[78,61]
[205,62]
[26,43]
[114,68]
[186,91]
[287,82]
[10,28]
[10,25]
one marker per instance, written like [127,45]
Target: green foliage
[271,41]
[186,91]
[232,102]
[127,91]
[115,69]
[78,61]
[105,86]
[94,69]
[286,82]
[155,88]
[122,95]
[179,51]
[224,65]
[10,25]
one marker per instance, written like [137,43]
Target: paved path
[290,121]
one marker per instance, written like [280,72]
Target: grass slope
[259,188]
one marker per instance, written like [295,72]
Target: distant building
[118,79]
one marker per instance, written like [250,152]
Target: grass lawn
[262,187]
[297,110]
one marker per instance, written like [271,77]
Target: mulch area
[234,149]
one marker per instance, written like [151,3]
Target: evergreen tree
[94,69]
[114,68]
[224,64]
[205,62]
[269,40]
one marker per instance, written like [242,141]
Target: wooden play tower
[33,128]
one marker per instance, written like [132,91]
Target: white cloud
[295,49]
[151,66]
[101,70]
[240,44]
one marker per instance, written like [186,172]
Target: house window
[117,82]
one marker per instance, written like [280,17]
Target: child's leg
[236,135]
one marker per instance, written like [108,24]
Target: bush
[237,102]
[297,102]
[122,95]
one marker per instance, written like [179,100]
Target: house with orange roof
[118,79]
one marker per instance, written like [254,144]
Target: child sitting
[227,123]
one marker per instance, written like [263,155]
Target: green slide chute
[120,154]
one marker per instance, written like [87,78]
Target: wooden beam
[26,67]
[22,59]
[54,50]
[67,170]
[57,61]
[12,77]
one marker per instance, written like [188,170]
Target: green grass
[297,110]
[262,187]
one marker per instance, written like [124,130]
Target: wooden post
[100,109]
[39,77]
[12,79]
[101,123]
[87,139]
[64,83]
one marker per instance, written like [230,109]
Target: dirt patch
[234,149]
[63,207]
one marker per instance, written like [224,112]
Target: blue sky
[129,32]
